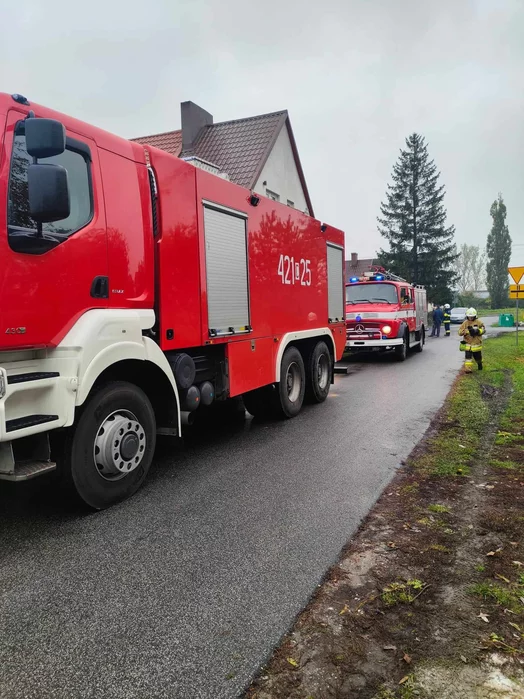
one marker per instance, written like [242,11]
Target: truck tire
[292,385]
[401,351]
[318,373]
[109,451]
[420,346]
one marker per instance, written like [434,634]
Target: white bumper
[36,393]
[41,389]
[372,344]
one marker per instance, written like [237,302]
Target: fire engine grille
[368,325]
[363,331]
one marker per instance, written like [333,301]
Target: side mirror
[48,191]
[44,137]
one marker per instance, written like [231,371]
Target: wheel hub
[293,382]
[323,371]
[119,445]
[129,446]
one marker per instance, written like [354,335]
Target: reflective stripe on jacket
[474,341]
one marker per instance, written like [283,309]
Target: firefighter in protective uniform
[447,320]
[471,332]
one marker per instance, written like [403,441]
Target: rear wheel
[109,451]
[284,399]
[319,371]
[292,385]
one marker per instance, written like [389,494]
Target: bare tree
[470,268]
[463,269]
[478,267]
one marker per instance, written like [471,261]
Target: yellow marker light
[386,329]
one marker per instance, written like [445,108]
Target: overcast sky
[357,76]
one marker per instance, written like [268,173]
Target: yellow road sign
[516,291]
[516,273]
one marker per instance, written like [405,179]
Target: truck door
[47,282]
[407,306]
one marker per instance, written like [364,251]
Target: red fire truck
[385,312]
[135,289]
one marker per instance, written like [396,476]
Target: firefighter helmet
[446,306]
[471,314]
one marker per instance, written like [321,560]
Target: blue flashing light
[354,279]
[358,319]
[379,278]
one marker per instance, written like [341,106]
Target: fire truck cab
[385,313]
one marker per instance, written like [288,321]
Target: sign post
[516,291]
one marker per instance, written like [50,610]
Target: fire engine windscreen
[371,293]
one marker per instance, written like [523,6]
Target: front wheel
[109,451]
[401,351]
[420,346]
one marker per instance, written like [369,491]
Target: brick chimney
[194,118]
[354,259]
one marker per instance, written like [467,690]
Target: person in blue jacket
[438,317]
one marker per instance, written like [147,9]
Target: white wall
[280,173]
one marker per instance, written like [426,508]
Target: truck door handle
[100,288]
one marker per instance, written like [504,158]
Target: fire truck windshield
[368,292]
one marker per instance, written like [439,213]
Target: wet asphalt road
[183,591]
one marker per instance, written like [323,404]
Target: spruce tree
[498,249]
[413,221]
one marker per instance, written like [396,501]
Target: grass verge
[497,311]
[432,585]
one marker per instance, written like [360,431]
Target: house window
[291,203]
[272,195]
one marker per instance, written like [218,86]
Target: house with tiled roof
[258,152]
[356,267]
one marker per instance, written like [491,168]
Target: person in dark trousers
[447,320]
[438,317]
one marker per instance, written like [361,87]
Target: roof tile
[239,148]
[358,269]
[171,141]
[236,147]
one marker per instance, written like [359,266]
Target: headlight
[386,329]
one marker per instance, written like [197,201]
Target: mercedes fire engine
[385,313]
[135,289]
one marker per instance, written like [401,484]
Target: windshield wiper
[378,298]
